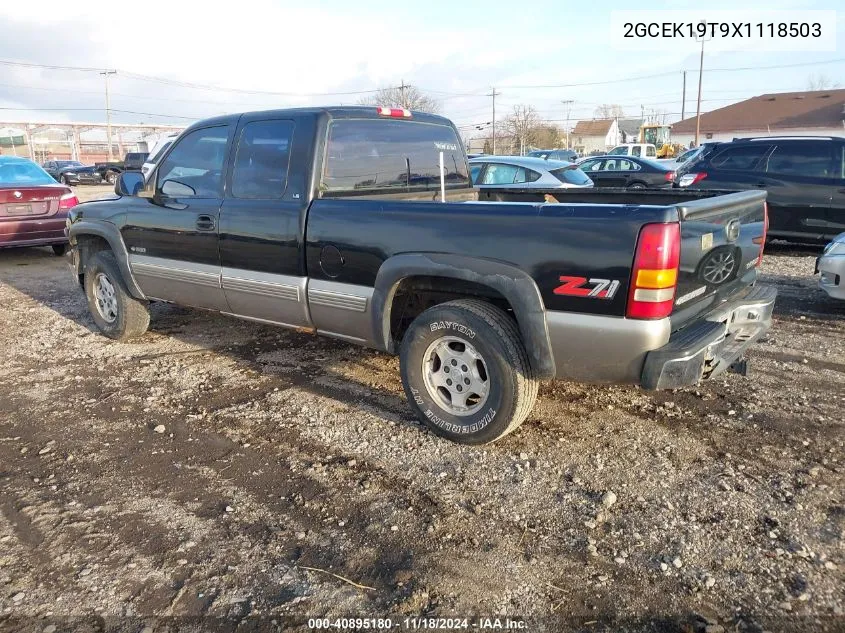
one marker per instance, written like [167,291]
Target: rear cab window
[373,156]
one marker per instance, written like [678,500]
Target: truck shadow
[307,364]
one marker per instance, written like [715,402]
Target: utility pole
[403,101]
[684,97]
[568,104]
[106,74]
[698,103]
[493,94]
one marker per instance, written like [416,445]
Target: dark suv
[804,178]
[555,154]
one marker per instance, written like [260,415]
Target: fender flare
[111,234]
[512,283]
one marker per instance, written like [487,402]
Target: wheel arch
[505,280]
[82,232]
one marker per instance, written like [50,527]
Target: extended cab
[361,223]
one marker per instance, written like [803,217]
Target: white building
[598,135]
[816,113]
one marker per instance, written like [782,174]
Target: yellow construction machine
[658,135]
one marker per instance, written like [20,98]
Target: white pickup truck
[644,150]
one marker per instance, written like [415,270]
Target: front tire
[466,373]
[111,177]
[117,313]
[59,249]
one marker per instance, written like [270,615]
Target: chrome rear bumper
[711,345]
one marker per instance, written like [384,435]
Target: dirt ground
[218,473]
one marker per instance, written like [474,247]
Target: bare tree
[408,97]
[522,125]
[820,82]
[609,111]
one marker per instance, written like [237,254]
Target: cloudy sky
[179,61]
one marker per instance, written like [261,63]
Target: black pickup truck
[362,224]
[109,172]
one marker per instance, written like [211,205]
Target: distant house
[815,113]
[629,130]
[598,135]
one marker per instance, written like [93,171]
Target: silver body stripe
[332,308]
[333,299]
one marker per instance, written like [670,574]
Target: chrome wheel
[719,267]
[456,375]
[105,297]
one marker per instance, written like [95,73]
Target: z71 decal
[583,287]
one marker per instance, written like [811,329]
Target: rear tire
[59,249]
[636,185]
[466,373]
[117,313]
[111,177]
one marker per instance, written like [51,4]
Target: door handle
[760,184]
[205,223]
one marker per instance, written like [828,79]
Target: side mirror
[129,183]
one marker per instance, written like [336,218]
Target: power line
[185,84]
[175,116]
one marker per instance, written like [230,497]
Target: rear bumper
[33,232]
[711,345]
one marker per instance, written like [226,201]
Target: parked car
[72,172]
[526,172]
[374,244]
[804,178]
[831,266]
[569,155]
[646,150]
[633,173]
[109,171]
[33,207]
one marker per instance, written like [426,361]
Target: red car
[33,206]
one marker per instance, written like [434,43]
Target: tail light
[655,273]
[68,201]
[670,176]
[762,239]
[396,113]
[690,179]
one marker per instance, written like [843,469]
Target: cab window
[261,161]
[194,167]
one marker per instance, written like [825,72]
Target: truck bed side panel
[546,241]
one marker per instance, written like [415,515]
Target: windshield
[23,173]
[571,176]
[620,150]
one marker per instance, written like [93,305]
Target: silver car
[831,266]
[526,172]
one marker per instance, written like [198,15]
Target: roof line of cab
[333,112]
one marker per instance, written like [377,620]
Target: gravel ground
[222,469]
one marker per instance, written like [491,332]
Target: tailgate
[721,241]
